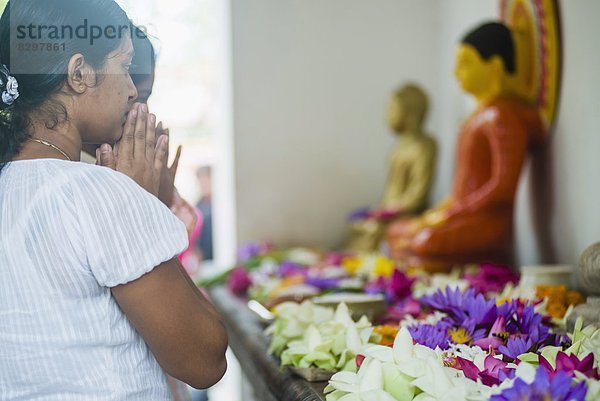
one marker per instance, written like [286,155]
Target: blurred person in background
[205,241]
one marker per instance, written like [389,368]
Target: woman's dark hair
[493,38]
[37,40]
[144,58]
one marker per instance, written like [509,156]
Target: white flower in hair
[7,98]
[12,87]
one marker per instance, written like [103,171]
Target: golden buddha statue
[411,167]
[475,223]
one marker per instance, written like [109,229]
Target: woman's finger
[139,144]
[150,136]
[126,143]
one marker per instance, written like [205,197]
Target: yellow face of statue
[474,74]
[396,114]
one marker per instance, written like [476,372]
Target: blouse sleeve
[126,231]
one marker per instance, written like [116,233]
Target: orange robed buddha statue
[475,223]
[410,173]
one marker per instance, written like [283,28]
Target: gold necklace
[53,146]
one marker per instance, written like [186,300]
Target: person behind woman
[94,304]
[142,70]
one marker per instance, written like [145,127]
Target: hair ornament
[9,86]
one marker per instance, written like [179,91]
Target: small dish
[534,275]
[312,374]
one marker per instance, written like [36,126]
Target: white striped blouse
[68,232]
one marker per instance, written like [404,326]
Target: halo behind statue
[536,29]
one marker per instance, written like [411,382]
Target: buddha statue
[475,223]
[410,172]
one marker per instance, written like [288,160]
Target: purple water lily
[395,288]
[478,310]
[289,269]
[252,250]
[431,335]
[323,283]
[449,301]
[531,323]
[493,371]
[516,346]
[493,339]
[560,388]
[569,364]
[465,309]
[395,313]
[491,278]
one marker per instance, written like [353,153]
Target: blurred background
[286,100]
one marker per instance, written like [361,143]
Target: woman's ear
[80,75]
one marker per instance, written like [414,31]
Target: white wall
[458,17]
[311,79]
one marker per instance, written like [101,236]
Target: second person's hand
[166,192]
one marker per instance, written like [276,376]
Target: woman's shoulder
[63,170]
[83,182]
[85,176]
[102,184]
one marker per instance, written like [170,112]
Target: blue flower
[560,388]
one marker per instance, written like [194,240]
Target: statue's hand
[435,217]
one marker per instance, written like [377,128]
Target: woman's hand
[136,154]
[167,177]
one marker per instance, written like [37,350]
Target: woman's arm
[181,327]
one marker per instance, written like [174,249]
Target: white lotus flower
[366,385]
[439,282]
[586,340]
[303,256]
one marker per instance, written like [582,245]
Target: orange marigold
[388,334]
[559,298]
